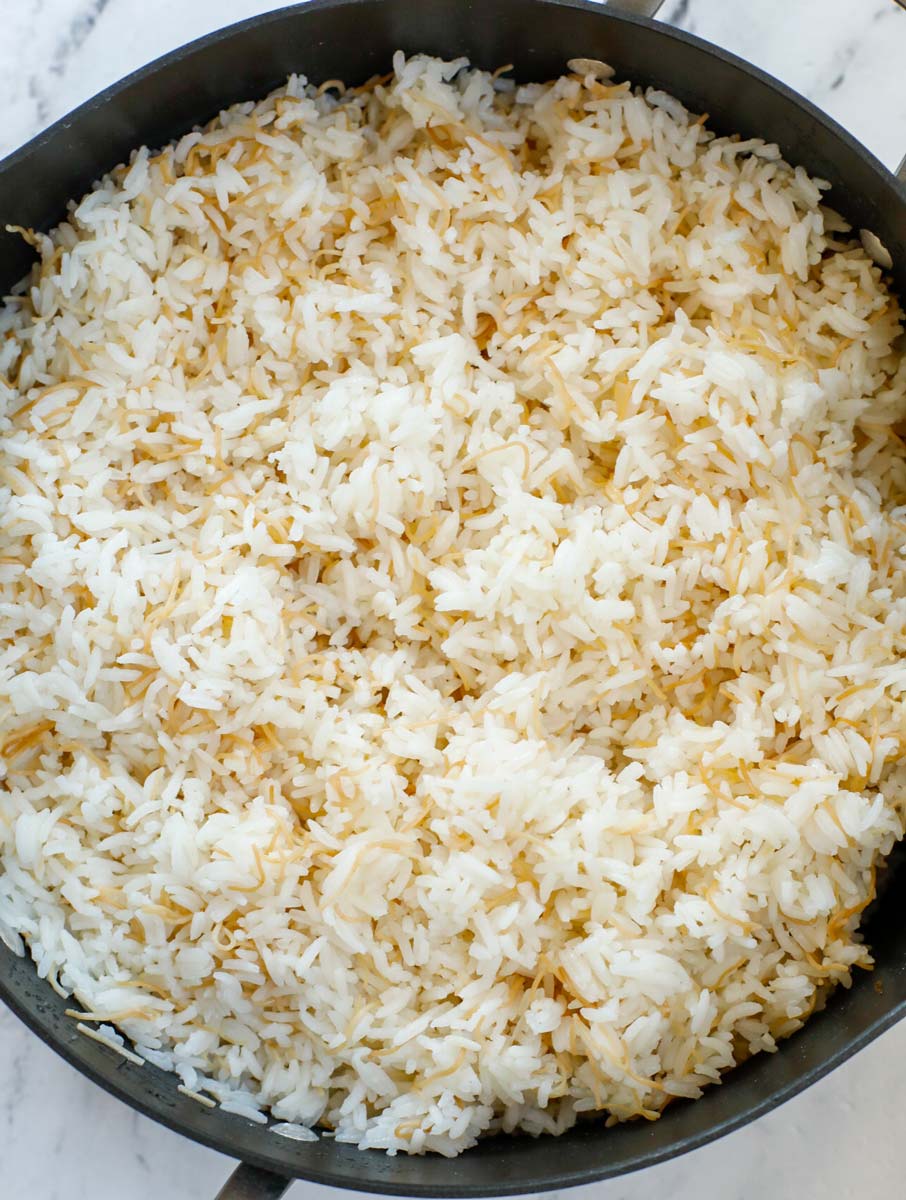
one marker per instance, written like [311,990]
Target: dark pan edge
[79,1052]
[129,1083]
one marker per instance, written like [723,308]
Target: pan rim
[124,1083]
[602,10]
[121,1080]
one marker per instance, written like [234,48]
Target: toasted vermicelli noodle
[451,604]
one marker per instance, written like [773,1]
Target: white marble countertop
[63,1138]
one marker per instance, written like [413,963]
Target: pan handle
[251,1183]
[637,8]
[649,8]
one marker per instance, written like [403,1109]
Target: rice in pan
[451,604]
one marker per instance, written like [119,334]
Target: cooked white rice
[452,604]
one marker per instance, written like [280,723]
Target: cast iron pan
[354,39]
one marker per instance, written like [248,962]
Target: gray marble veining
[61,1138]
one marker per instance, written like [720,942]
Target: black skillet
[352,40]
